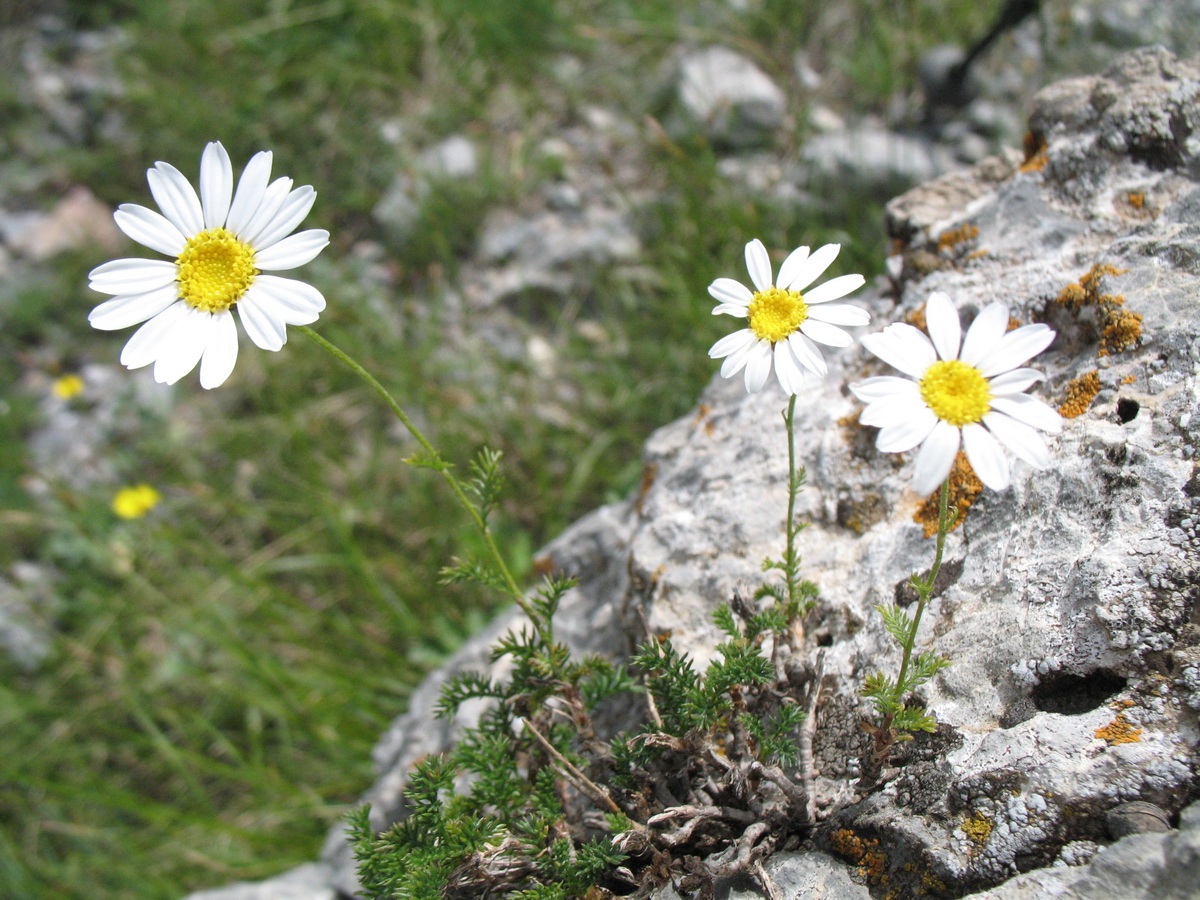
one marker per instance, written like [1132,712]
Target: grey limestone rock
[1070,601]
[732,100]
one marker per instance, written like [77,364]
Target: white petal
[814,267]
[266,329]
[906,434]
[176,198]
[935,458]
[986,456]
[183,346]
[790,376]
[887,414]
[130,309]
[293,251]
[840,314]
[791,267]
[1024,442]
[295,302]
[150,229]
[902,347]
[729,291]
[884,387]
[834,288]
[1014,381]
[143,348]
[1015,348]
[274,197]
[731,309]
[251,187]
[984,334]
[216,184]
[732,343]
[737,359]
[807,354]
[942,320]
[758,263]
[824,333]
[221,352]
[1029,410]
[132,276]
[297,205]
[758,366]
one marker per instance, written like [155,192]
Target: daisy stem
[442,467]
[924,586]
[791,565]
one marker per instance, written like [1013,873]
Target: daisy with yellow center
[785,324]
[223,245]
[963,391]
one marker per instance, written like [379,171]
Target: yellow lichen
[1129,379]
[916,318]
[1119,328]
[965,488]
[1081,392]
[1120,731]
[1136,199]
[978,828]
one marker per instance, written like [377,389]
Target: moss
[1081,392]
[965,488]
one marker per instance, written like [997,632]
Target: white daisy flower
[785,324]
[221,242]
[970,388]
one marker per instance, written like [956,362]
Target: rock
[26,608]
[399,210]
[874,156]
[733,101]
[1068,601]
[307,882]
[79,220]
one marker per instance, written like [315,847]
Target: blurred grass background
[220,669]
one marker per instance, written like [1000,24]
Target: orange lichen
[1081,392]
[965,488]
[1136,199]
[1119,731]
[916,318]
[1119,328]
[1122,331]
[649,474]
[864,853]
[1035,153]
[1129,379]
[955,236]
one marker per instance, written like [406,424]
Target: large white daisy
[963,391]
[785,325]
[221,242]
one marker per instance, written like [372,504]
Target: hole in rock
[1127,410]
[1073,695]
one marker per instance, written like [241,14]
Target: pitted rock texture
[1070,607]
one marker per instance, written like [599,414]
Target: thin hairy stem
[924,586]
[442,467]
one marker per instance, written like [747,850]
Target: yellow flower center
[775,314]
[215,269]
[957,393]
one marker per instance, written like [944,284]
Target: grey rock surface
[307,882]
[1071,604]
[729,98]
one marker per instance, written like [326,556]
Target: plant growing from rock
[964,391]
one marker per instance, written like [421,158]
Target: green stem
[791,564]
[924,586]
[510,583]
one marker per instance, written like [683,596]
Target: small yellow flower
[135,502]
[67,387]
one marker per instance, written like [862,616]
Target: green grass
[221,668]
